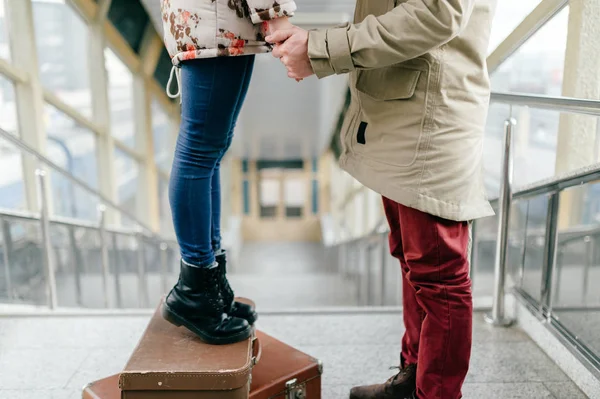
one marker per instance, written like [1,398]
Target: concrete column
[576,146]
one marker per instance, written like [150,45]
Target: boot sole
[179,321]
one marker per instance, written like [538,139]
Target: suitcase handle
[256,351]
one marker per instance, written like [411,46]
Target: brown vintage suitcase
[107,388]
[171,362]
[282,372]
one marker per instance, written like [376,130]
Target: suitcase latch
[293,390]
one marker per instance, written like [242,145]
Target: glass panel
[60,36]
[12,189]
[535,244]
[270,192]
[493,147]
[73,148]
[125,270]
[163,142]
[127,172]
[484,246]
[120,92]
[509,14]
[8,106]
[534,144]
[578,264]
[537,67]
[294,196]
[27,283]
[79,277]
[516,242]
[4,44]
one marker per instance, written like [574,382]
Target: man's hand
[292,49]
[282,23]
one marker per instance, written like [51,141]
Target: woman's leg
[216,179]
[211,92]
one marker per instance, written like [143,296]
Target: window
[509,14]
[163,141]
[4,44]
[270,189]
[127,172]
[130,19]
[294,196]
[120,93]
[12,191]
[8,106]
[537,67]
[62,39]
[73,148]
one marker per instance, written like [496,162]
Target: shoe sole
[179,321]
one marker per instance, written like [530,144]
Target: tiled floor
[43,358]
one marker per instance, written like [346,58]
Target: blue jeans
[212,94]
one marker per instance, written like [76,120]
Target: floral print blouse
[215,28]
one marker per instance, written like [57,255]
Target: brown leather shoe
[400,386]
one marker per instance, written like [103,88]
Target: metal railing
[139,232]
[353,253]
[551,187]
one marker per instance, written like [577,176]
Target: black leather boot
[232,307]
[196,303]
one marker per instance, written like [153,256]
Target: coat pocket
[386,84]
[393,102]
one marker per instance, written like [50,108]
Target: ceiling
[283,119]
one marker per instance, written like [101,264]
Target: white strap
[177,72]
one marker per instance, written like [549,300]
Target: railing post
[104,255]
[367,269]
[5,255]
[384,258]
[360,289]
[589,260]
[550,254]
[117,270]
[497,316]
[142,277]
[46,244]
[342,266]
[77,264]
[164,266]
[473,254]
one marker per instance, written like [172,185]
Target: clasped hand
[291,47]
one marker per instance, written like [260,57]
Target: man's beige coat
[420,94]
